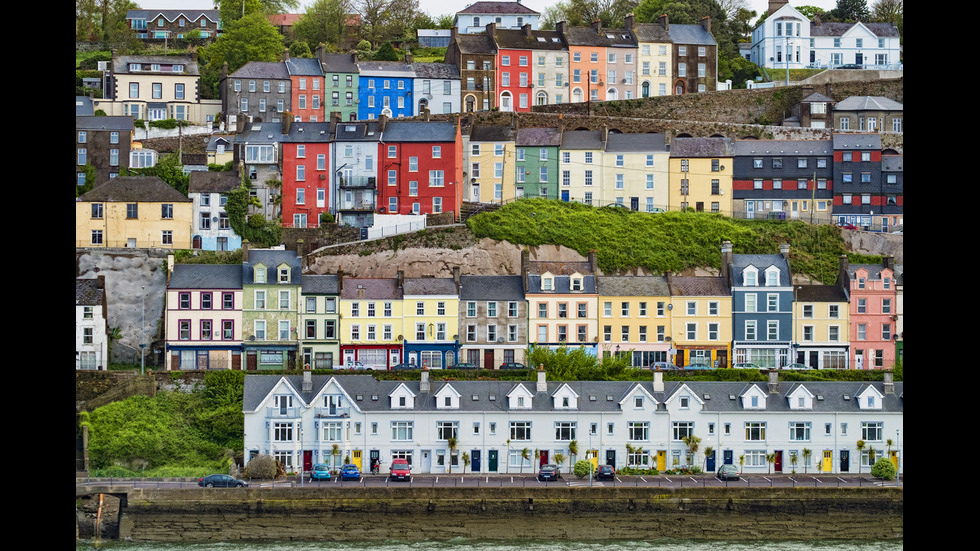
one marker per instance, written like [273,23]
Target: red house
[421,168]
[305,173]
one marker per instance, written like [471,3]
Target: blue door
[564,196]
[475,455]
[710,463]
[728,457]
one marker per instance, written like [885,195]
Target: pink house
[873,314]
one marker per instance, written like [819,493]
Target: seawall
[413,514]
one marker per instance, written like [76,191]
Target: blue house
[762,306]
[385,88]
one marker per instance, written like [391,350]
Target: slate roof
[392,69]
[339,63]
[370,288]
[857,141]
[214,140]
[476,287]
[120,123]
[650,32]
[478,8]
[87,292]
[172,15]
[309,67]
[475,44]
[820,293]
[309,132]
[272,258]
[633,286]
[120,64]
[874,270]
[357,131]
[761,262]
[206,276]
[581,139]
[261,133]
[784,147]
[202,181]
[538,137]
[840,29]
[418,131]
[868,103]
[83,106]
[368,394]
[816,96]
[273,70]
[516,39]
[135,189]
[587,36]
[492,133]
[635,143]
[701,147]
[440,71]
[699,286]
[690,34]
[320,284]
[420,286]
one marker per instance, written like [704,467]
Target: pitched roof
[581,139]
[633,286]
[213,182]
[587,36]
[339,63]
[820,293]
[117,123]
[784,147]
[650,32]
[699,286]
[701,147]
[868,103]
[690,34]
[275,70]
[418,286]
[370,288]
[271,258]
[474,44]
[635,143]
[516,39]
[476,287]
[492,133]
[761,262]
[304,67]
[87,292]
[206,276]
[857,141]
[320,284]
[538,137]
[120,64]
[135,189]
[419,131]
[442,71]
[832,28]
[309,132]
[497,8]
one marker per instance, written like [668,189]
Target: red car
[401,470]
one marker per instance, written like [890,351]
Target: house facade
[307,79]
[204,317]
[341,80]
[258,149]
[505,15]
[427,167]
[871,290]
[701,174]
[436,87]
[633,318]
[581,166]
[492,320]
[699,317]
[869,114]
[371,321]
[821,318]
[174,24]
[91,324]
[271,286]
[210,225]
[104,143]
[431,321]
[134,211]
[783,179]
[619,423]
[319,320]
[654,59]
[562,303]
[492,160]
[633,166]
[858,197]
[536,162]
[695,57]
[260,91]
[355,151]
[762,307]
[306,173]
[475,56]
[154,88]
[385,88]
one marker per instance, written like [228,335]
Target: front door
[251,361]
[661,460]
[475,460]
[543,458]
[564,196]
[750,209]
[488,359]
[475,194]
[611,458]
[634,203]
[426,461]
[893,456]
[779,461]
[727,457]
[827,464]
[709,463]
[307,460]
[845,461]
[492,461]
[355,456]
[394,357]
[794,209]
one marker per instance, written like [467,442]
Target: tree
[525,456]
[851,10]
[323,22]
[167,169]
[452,443]
[233,10]
[559,459]
[890,11]
[770,459]
[572,451]
[251,38]
[806,458]
[385,20]
[693,443]
[708,452]
[102,19]
[300,49]
[811,11]
[466,461]
[386,53]
[860,448]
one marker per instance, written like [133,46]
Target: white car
[352,365]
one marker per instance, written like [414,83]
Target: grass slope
[671,241]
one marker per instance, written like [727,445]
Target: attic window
[374,397]
[359,397]
[847,397]
[592,397]
[820,397]
[609,397]
[351,128]
[541,39]
[493,397]
[707,396]
[476,397]
[731,396]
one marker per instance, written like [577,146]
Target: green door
[492,461]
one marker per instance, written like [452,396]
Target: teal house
[536,162]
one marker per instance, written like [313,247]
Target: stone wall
[578,514]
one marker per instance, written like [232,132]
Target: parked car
[221,481]
[401,470]
[850,66]
[320,471]
[697,366]
[404,366]
[349,472]
[747,365]
[548,472]
[604,471]
[798,366]
[663,366]
[512,365]
[464,365]
[355,365]
[728,472]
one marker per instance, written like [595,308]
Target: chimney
[889,382]
[784,250]
[170,270]
[307,379]
[605,135]
[664,22]
[527,30]
[456,277]
[425,114]
[453,34]
[773,381]
[542,385]
[726,260]
[630,22]
[560,28]
[382,122]
[658,380]
[287,123]
[408,58]
[594,262]
[340,280]
[424,385]
[816,20]
[706,24]
[491,29]
[525,265]
[400,279]
[100,282]
[890,262]
[285,54]
[842,276]
[245,246]
[597,26]
[353,57]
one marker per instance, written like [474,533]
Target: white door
[750,209]
[475,195]
[394,357]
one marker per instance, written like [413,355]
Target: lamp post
[143,334]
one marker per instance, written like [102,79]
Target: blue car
[350,472]
[320,472]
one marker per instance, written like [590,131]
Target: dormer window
[576,283]
[750,276]
[564,402]
[772,277]
[259,273]
[547,282]
[283,275]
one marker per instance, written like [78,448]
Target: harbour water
[505,545]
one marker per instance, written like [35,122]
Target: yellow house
[701,174]
[635,172]
[371,321]
[654,62]
[634,318]
[431,321]
[820,326]
[701,320]
[133,211]
[492,151]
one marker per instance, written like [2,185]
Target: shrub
[262,467]
[883,469]
[582,468]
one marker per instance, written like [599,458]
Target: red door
[779,461]
[308,460]
[488,359]
[544,457]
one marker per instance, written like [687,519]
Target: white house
[760,427]
[210,225]
[473,19]
[91,324]
[788,39]
[436,86]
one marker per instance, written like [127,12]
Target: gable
[402,398]
[800,399]
[565,398]
[870,398]
[447,397]
[519,398]
[753,398]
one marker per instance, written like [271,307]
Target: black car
[221,481]
[404,367]
[464,365]
[512,365]
[605,471]
[548,472]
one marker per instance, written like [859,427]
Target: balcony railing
[282,413]
[332,412]
[358,182]
[363,206]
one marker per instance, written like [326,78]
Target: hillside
[625,242]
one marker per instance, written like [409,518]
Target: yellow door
[661,460]
[356,456]
[894,458]
[594,458]
[828,461]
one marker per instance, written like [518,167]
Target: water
[507,545]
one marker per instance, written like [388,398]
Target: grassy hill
[673,241]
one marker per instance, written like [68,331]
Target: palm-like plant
[559,458]
[525,456]
[466,461]
[860,447]
[770,459]
[572,452]
[452,443]
[708,452]
[693,443]
[806,458]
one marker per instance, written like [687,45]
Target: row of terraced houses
[268,314]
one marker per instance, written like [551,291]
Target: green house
[536,162]
[272,285]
